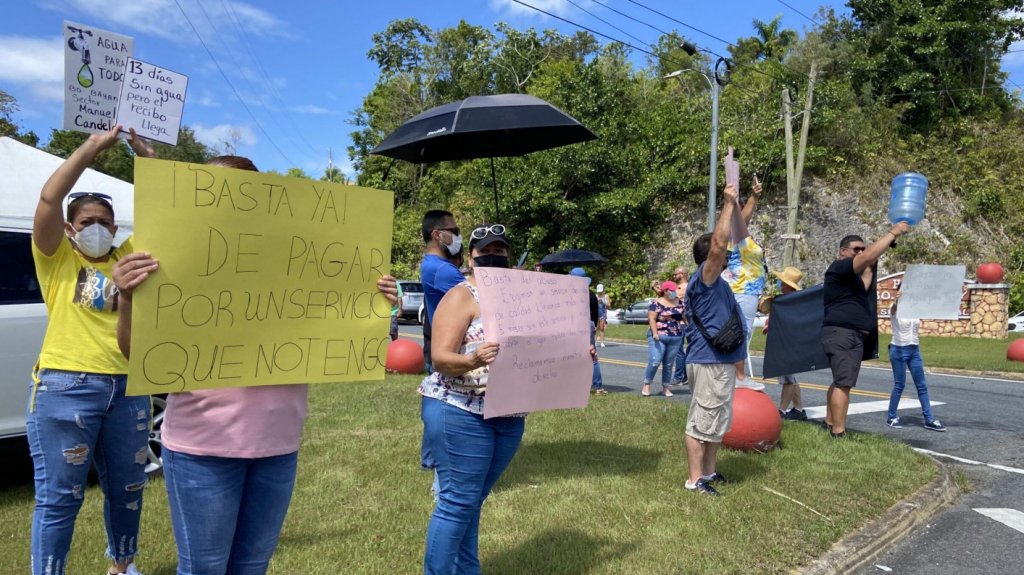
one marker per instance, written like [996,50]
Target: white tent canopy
[24,170]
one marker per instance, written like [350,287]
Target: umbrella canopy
[573,258]
[483,127]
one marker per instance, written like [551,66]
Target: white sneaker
[131,570]
[602,344]
[749,384]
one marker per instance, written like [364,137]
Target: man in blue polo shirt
[712,373]
[438,275]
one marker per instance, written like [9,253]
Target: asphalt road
[984,428]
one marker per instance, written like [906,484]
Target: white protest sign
[152,100]
[542,323]
[94,62]
[932,292]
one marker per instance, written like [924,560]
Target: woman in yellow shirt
[78,414]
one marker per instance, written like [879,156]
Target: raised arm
[719,239]
[869,257]
[748,208]
[48,224]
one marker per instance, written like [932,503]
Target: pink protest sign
[542,322]
[738,229]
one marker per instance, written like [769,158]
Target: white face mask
[456,245]
[93,240]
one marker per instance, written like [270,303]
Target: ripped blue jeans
[76,420]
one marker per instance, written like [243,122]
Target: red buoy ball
[756,424]
[1015,352]
[990,273]
[404,356]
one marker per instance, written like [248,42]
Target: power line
[608,23]
[812,20]
[230,85]
[265,76]
[681,23]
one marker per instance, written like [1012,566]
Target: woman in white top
[905,351]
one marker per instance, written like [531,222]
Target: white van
[22,311]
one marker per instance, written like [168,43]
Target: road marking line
[862,407]
[969,461]
[1009,517]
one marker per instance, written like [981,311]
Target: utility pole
[713,180]
[794,174]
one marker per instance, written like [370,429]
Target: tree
[940,58]
[8,106]
[770,42]
[297,173]
[118,161]
[189,149]
[334,174]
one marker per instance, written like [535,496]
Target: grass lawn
[947,352]
[596,491]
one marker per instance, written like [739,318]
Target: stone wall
[989,311]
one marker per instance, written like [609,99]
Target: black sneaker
[715,477]
[934,425]
[825,426]
[702,487]
[796,415]
[895,423]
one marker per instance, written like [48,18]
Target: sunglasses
[454,231]
[483,231]
[77,195]
[857,249]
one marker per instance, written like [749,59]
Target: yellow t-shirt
[81,302]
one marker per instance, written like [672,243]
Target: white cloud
[207,100]
[36,63]
[217,136]
[559,7]
[312,109]
[163,17]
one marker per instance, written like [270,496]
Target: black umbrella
[573,258]
[483,127]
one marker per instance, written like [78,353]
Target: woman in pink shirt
[230,455]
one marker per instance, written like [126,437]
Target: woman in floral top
[665,316]
[469,452]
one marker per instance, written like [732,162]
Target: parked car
[22,327]
[412,299]
[636,312]
[1016,322]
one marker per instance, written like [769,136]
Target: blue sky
[300,66]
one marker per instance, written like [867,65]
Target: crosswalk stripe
[1010,517]
[862,407]
[969,461]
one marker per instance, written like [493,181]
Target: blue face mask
[778,285]
[670,294]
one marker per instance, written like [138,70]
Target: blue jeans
[595,381]
[470,454]
[662,353]
[901,357]
[680,373]
[74,420]
[227,512]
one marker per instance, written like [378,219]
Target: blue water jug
[906,204]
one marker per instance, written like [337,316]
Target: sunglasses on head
[483,231]
[76,195]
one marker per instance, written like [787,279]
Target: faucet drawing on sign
[81,45]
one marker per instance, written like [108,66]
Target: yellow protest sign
[263,279]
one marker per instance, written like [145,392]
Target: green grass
[595,491]
[968,353]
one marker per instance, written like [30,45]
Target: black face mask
[490,261]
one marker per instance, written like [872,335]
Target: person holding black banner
[850,317]
[230,455]
[470,453]
[716,345]
[78,415]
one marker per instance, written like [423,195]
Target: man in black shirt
[850,316]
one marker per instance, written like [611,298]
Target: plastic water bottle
[906,204]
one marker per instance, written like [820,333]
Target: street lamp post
[721,79]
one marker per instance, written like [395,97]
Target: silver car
[412,299]
[636,312]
